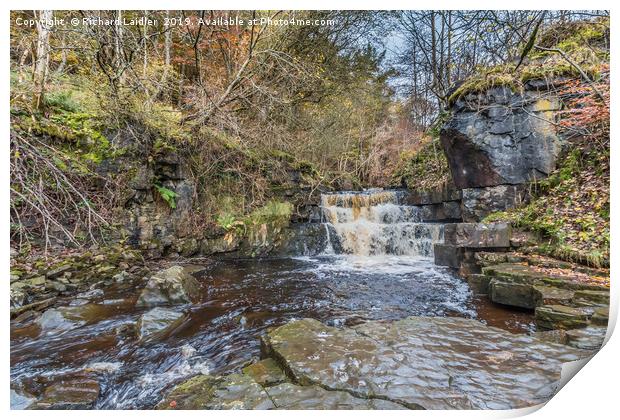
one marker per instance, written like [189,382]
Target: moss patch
[570,209]
[424,169]
[583,42]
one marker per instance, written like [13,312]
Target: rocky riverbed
[124,346]
[414,363]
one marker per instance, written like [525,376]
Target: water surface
[240,300]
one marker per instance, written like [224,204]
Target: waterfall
[374,222]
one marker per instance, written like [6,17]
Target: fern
[168,195]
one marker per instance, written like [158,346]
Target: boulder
[513,294]
[499,137]
[158,320]
[422,362]
[70,393]
[478,235]
[553,317]
[65,318]
[170,286]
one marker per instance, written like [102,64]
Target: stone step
[553,317]
[488,258]
[533,275]
[513,294]
[592,297]
[600,316]
[478,235]
[545,295]
[589,338]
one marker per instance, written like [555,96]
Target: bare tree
[41,67]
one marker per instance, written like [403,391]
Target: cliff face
[159,228]
[496,142]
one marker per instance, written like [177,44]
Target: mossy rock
[205,392]
[266,372]
[592,297]
[553,317]
[545,295]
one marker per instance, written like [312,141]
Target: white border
[593,394]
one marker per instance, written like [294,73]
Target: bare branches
[583,74]
[48,199]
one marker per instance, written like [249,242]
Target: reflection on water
[240,299]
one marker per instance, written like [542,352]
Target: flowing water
[384,271]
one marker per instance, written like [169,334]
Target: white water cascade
[373,222]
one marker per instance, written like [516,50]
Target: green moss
[569,36]
[162,145]
[581,41]
[62,100]
[424,169]
[569,209]
[274,212]
[305,167]
[484,80]
[281,155]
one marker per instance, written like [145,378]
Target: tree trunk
[118,48]
[43,56]
[167,41]
[145,44]
[63,55]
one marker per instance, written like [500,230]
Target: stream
[384,271]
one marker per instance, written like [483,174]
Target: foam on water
[373,222]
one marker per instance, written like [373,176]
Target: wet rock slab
[265,372]
[562,317]
[243,392]
[20,400]
[158,320]
[205,392]
[421,362]
[589,338]
[174,285]
[75,393]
